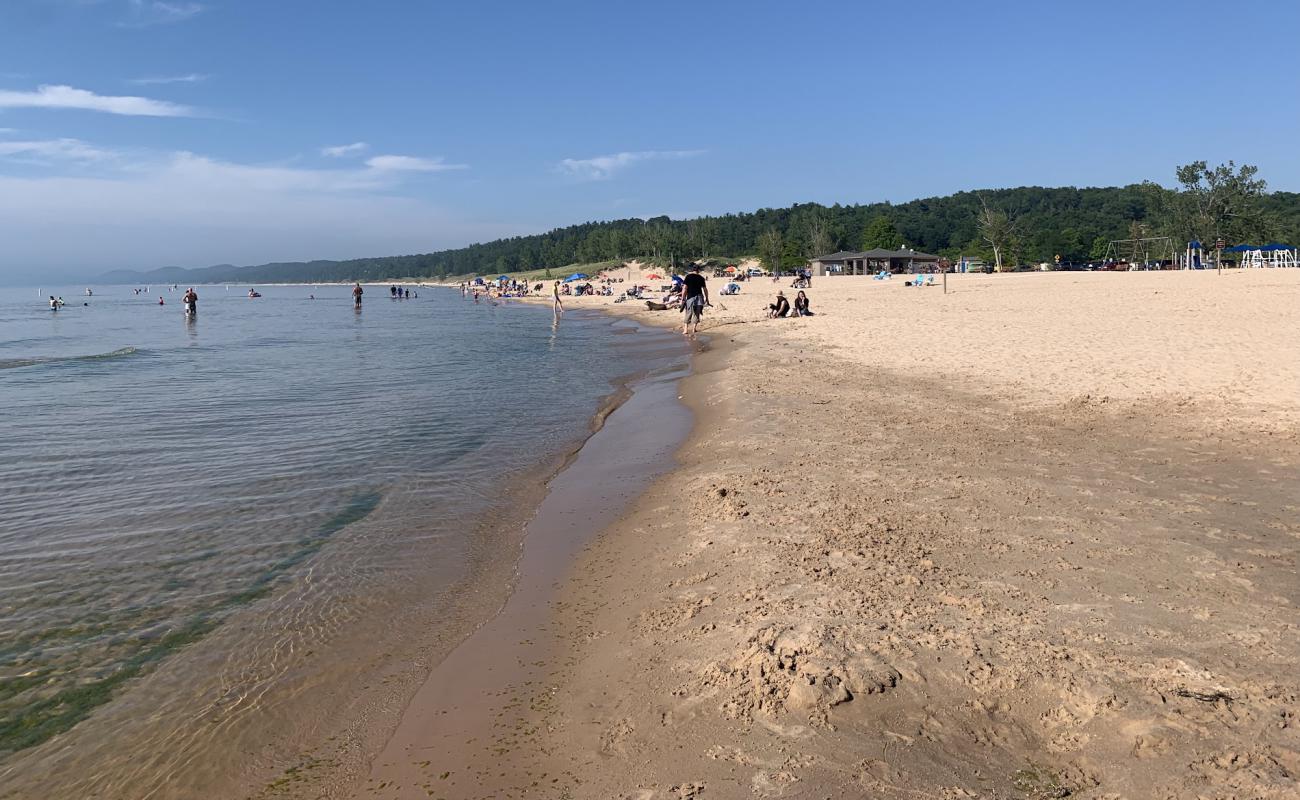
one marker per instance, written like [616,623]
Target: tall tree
[702,233]
[881,233]
[819,238]
[998,230]
[1222,202]
[770,246]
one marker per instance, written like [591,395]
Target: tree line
[1027,224]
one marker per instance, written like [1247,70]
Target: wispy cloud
[146,13]
[342,150]
[192,77]
[601,168]
[411,164]
[69,97]
[46,150]
[142,209]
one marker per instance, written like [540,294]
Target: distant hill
[1071,222]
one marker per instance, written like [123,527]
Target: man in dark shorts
[357,291]
[695,296]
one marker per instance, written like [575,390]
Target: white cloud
[145,13]
[193,77]
[69,97]
[410,164]
[341,150]
[602,168]
[52,150]
[137,209]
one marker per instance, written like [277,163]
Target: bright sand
[1033,538]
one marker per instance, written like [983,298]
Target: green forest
[1028,224]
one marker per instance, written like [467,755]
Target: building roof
[845,255]
[879,253]
[842,255]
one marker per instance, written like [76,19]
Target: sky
[147,133]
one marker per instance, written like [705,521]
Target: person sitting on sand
[780,308]
[801,305]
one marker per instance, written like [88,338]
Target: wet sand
[1027,569]
[466,727]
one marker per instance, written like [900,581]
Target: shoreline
[336,766]
[334,713]
[1034,596]
[466,713]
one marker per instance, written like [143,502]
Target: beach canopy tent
[1271,255]
[654,276]
[503,278]
[577,276]
[478,281]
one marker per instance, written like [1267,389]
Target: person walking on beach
[357,291]
[555,292]
[695,296]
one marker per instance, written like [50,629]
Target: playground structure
[1268,256]
[1147,253]
[1194,257]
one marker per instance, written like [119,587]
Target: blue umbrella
[577,276]
[504,278]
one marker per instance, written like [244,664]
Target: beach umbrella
[654,276]
[504,278]
[577,276]
[730,269]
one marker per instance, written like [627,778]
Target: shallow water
[287,462]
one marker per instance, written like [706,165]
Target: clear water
[287,461]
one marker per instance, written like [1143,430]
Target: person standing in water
[695,296]
[555,292]
[54,304]
[357,291]
[191,301]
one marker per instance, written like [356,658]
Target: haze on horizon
[143,133]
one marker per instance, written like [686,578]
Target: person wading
[695,296]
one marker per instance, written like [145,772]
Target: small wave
[12,363]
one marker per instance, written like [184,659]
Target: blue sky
[142,133]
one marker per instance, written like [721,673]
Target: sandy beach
[1035,537]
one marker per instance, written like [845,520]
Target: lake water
[211,528]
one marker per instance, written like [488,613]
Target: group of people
[781,306]
[400,292]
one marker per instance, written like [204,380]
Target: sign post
[1218,255]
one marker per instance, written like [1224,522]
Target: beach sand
[1033,538]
